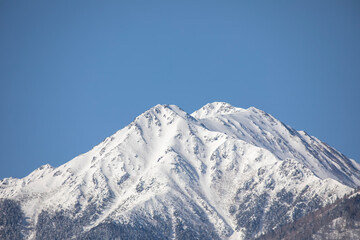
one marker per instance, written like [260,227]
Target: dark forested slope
[339,220]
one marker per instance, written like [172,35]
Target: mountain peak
[215,108]
[165,111]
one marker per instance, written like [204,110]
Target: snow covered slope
[263,130]
[221,172]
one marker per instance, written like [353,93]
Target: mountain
[219,173]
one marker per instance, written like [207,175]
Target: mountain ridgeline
[219,173]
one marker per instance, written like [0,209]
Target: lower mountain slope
[339,220]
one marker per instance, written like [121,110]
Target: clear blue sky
[74,72]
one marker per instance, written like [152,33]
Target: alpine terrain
[219,173]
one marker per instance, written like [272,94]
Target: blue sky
[74,72]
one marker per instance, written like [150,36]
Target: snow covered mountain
[220,173]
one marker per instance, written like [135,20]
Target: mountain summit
[219,173]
